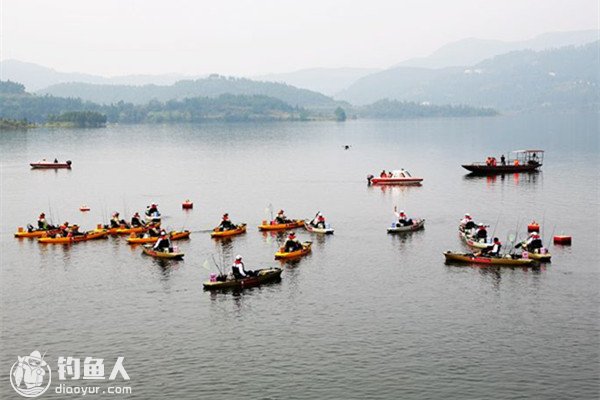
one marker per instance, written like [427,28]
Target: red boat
[398,177]
[51,165]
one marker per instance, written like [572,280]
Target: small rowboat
[417,224]
[84,208]
[174,235]
[91,235]
[474,243]
[263,276]
[282,255]
[161,254]
[325,231]
[216,233]
[280,227]
[472,259]
[398,177]
[51,165]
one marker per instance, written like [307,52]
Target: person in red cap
[238,269]
[481,234]
[403,219]
[292,244]
[226,224]
[136,220]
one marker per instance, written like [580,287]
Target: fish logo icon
[30,375]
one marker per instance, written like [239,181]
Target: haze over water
[366,315]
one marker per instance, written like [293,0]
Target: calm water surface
[366,315]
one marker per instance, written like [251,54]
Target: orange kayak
[216,233]
[281,254]
[127,231]
[32,234]
[91,235]
[174,235]
[280,227]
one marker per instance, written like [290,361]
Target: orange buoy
[187,205]
[84,208]
[562,239]
[533,227]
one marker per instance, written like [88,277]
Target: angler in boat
[238,270]
[163,244]
[403,219]
[115,222]
[493,250]
[281,218]
[318,221]
[292,244]
[136,220]
[467,223]
[226,224]
[481,234]
[534,242]
[152,212]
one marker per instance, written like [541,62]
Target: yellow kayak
[91,235]
[33,234]
[280,227]
[216,233]
[161,254]
[282,255]
[174,235]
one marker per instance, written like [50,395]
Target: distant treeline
[408,109]
[16,104]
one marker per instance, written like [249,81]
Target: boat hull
[91,235]
[50,166]
[500,169]
[241,228]
[396,181]
[149,240]
[264,276]
[323,231]
[33,234]
[162,255]
[281,227]
[500,261]
[282,255]
[418,224]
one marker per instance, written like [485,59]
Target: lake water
[366,315]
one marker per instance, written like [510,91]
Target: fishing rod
[513,243]
[496,226]
[550,238]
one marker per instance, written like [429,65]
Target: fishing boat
[22,233]
[51,165]
[239,229]
[417,224]
[283,255]
[517,161]
[273,226]
[396,177]
[262,276]
[90,235]
[123,230]
[475,244]
[173,235]
[486,260]
[162,254]
[328,230]
[84,208]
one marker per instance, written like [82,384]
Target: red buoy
[187,205]
[533,227]
[562,239]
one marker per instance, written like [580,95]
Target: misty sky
[117,37]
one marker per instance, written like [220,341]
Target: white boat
[417,224]
[328,230]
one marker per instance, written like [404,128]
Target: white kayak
[417,224]
[328,230]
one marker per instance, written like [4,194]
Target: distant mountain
[36,77]
[324,80]
[564,78]
[472,51]
[213,86]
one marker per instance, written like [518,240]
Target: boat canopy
[529,156]
[401,173]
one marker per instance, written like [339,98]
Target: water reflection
[528,178]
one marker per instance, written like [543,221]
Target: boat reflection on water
[391,189]
[495,273]
[521,178]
